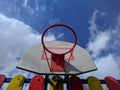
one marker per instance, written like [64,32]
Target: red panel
[2,79]
[75,83]
[37,83]
[112,83]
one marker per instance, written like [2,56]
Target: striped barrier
[109,81]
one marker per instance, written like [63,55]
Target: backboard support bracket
[58,62]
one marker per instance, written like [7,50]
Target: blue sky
[96,23]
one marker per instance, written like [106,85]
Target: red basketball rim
[56,25]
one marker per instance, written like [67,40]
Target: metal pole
[67,82]
[46,82]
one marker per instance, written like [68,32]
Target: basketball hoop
[57,59]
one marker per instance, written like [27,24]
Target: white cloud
[98,39]
[99,43]
[93,27]
[104,47]
[15,38]
[25,3]
[103,14]
[118,22]
[37,6]
[60,35]
[107,66]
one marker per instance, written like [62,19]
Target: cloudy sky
[96,23]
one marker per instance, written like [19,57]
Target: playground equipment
[94,83]
[16,83]
[37,83]
[2,79]
[110,82]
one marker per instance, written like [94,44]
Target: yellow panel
[16,83]
[94,83]
[56,85]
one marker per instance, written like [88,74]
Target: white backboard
[34,59]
